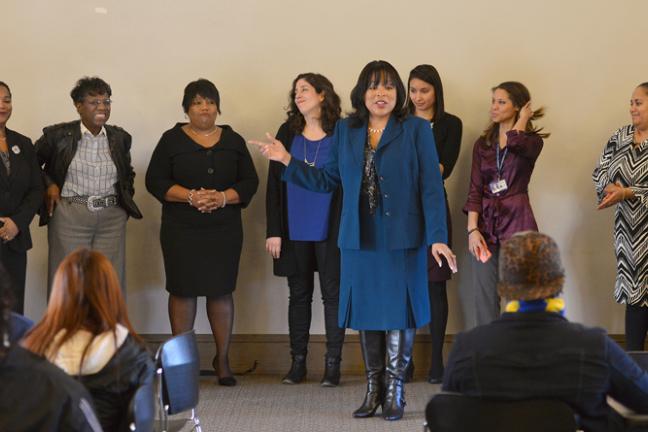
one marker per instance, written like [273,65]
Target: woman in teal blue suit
[393,208]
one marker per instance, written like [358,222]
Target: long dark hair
[330,106]
[376,72]
[519,96]
[430,75]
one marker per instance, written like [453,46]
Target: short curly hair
[89,86]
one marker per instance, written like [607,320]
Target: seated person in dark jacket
[35,395]
[86,332]
[532,351]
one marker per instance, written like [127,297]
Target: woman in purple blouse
[498,200]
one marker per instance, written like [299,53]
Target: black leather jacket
[57,147]
[114,385]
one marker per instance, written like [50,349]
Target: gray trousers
[484,284]
[73,226]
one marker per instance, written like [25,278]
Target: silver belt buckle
[90,203]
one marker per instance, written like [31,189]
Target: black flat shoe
[227,381]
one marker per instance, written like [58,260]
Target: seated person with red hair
[34,394]
[86,332]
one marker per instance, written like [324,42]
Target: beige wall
[580,59]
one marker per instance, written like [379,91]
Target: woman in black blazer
[299,237]
[426,101]
[21,191]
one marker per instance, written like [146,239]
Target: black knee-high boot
[373,353]
[399,354]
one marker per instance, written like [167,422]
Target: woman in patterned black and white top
[621,177]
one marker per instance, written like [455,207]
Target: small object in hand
[485,255]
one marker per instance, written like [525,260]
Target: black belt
[94,202]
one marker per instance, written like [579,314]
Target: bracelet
[224,199]
[472,230]
[190,197]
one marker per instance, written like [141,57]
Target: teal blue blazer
[411,188]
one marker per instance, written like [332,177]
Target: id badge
[498,186]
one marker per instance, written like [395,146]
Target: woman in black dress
[426,101]
[203,175]
[21,189]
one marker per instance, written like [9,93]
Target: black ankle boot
[373,353]
[297,371]
[331,372]
[399,354]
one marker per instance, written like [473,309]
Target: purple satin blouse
[503,214]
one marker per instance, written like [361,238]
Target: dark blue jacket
[542,355]
[409,180]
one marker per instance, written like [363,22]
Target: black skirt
[201,260]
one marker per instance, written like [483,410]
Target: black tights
[220,312]
[636,325]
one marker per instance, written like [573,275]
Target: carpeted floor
[261,403]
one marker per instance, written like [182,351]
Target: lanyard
[500,163]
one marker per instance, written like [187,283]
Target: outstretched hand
[439,249]
[273,149]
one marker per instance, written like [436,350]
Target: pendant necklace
[311,164]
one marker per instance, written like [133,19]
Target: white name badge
[498,186]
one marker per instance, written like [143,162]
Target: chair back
[452,412]
[180,364]
[141,410]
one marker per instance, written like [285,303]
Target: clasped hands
[614,193]
[207,200]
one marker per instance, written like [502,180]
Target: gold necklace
[203,134]
[375,131]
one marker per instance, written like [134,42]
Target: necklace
[375,131]
[311,164]
[203,134]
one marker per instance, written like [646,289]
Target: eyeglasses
[96,102]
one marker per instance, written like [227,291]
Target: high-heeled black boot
[331,376]
[373,353]
[297,371]
[399,354]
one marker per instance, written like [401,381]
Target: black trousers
[15,263]
[636,326]
[439,311]
[309,256]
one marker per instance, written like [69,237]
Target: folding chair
[178,371]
